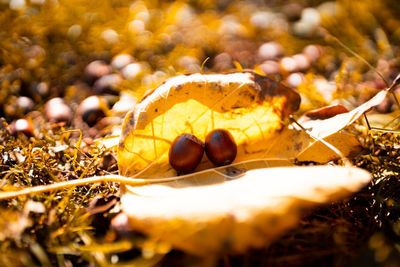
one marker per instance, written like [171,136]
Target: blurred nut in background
[188,64]
[314,52]
[92,109]
[308,23]
[39,90]
[223,62]
[17,107]
[292,11]
[108,84]
[56,110]
[95,70]
[288,65]
[23,126]
[121,60]
[295,79]
[302,62]
[132,70]
[270,50]
[25,104]
[270,67]
[126,103]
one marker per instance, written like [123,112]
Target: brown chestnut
[56,110]
[95,70]
[92,109]
[220,147]
[23,126]
[185,153]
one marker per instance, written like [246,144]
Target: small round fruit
[95,70]
[186,152]
[92,109]
[23,126]
[56,110]
[220,147]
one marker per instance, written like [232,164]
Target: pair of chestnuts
[187,150]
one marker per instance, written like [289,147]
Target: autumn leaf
[231,208]
[330,130]
[221,213]
[252,107]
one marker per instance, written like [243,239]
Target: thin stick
[369,132]
[113,178]
[366,120]
[203,64]
[384,130]
[80,182]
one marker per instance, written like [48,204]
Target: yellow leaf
[330,131]
[224,214]
[346,143]
[247,204]
[324,128]
[252,107]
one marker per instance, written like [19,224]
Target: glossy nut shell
[185,153]
[220,147]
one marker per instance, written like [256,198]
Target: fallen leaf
[330,131]
[324,128]
[252,107]
[251,202]
[233,215]
[318,152]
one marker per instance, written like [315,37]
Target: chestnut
[220,147]
[185,153]
[95,70]
[25,104]
[92,109]
[23,126]
[56,110]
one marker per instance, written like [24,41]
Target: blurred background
[58,48]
